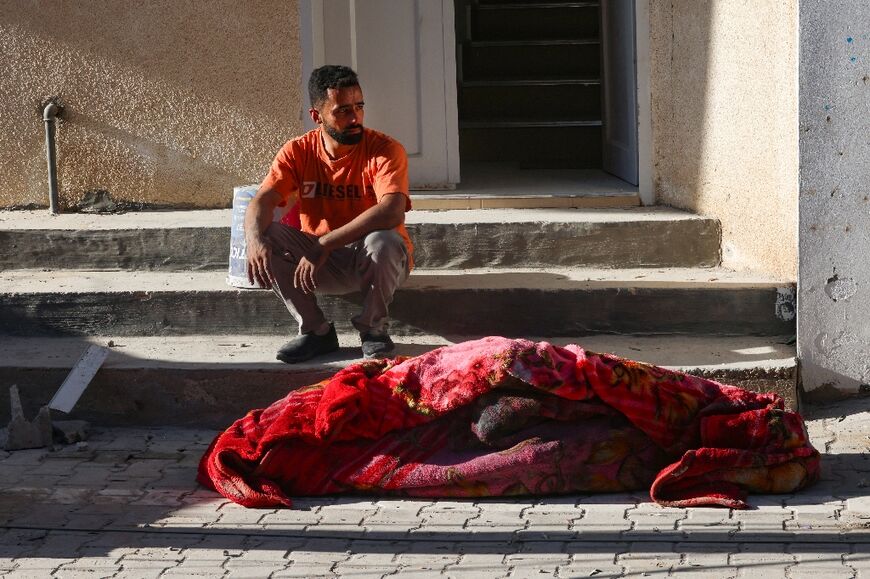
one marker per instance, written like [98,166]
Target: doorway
[547,94]
[411,54]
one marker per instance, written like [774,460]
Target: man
[350,185]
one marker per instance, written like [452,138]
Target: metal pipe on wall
[49,115]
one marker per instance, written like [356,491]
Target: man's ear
[315,115]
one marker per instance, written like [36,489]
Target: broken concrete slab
[70,431]
[78,379]
[21,433]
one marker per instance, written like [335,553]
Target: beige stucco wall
[168,102]
[725,122]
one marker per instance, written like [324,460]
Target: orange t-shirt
[332,192]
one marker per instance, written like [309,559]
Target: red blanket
[498,417]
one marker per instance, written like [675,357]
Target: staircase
[529,82]
[187,349]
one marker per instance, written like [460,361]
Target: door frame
[311,35]
[311,40]
[645,187]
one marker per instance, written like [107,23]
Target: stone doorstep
[29,281]
[208,381]
[22,220]
[200,240]
[551,301]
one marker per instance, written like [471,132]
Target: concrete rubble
[22,433]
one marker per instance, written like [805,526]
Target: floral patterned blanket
[496,417]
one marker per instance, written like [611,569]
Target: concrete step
[553,147]
[513,302]
[511,101]
[208,381]
[200,240]
[511,21]
[529,59]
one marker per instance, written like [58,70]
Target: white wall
[834,227]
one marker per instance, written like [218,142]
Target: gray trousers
[375,266]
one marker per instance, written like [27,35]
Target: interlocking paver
[394,519]
[346,516]
[142,481]
[70,496]
[370,559]
[705,519]
[139,573]
[445,520]
[304,570]
[539,559]
[10,474]
[656,558]
[813,561]
[25,458]
[184,570]
[762,560]
[705,559]
[480,558]
[288,520]
[41,516]
[432,559]
[322,552]
[505,517]
[232,515]
[242,569]
[858,559]
[650,518]
[40,565]
[603,521]
[762,522]
[103,564]
[592,559]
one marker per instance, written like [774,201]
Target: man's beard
[344,137]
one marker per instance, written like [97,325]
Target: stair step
[461,201]
[524,4]
[528,123]
[513,302]
[552,147]
[534,21]
[200,240]
[554,104]
[533,2]
[529,59]
[211,380]
[534,42]
[501,82]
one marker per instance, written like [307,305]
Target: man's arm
[387,214]
[258,217]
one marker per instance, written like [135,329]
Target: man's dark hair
[327,77]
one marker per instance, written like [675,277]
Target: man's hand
[259,253]
[258,217]
[304,277]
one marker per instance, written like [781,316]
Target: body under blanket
[498,417]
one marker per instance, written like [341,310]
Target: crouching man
[350,187]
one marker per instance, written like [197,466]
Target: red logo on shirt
[312,189]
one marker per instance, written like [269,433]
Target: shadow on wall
[682,32]
[829,386]
[166,101]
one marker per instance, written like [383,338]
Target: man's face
[341,114]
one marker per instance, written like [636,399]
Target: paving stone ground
[125,504]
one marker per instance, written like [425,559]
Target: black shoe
[308,346]
[376,346]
